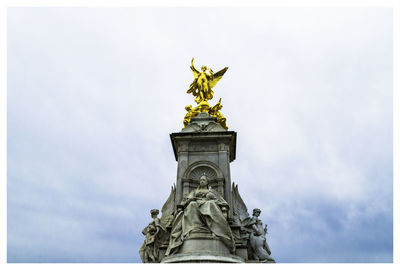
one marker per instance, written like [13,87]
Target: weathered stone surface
[204,242]
[202,257]
[207,225]
[257,238]
[155,234]
[203,123]
[201,223]
[204,152]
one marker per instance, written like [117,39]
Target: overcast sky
[93,94]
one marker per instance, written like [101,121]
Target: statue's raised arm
[193,87]
[195,71]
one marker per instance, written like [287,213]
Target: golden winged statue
[203,83]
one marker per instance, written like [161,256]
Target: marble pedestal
[203,248]
[202,257]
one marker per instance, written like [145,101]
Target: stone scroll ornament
[201,88]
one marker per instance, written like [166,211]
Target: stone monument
[204,218]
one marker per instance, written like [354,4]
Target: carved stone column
[204,147]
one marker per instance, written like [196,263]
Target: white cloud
[94,93]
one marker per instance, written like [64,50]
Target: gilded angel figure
[203,83]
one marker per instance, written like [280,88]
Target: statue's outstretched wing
[216,77]
[192,88]
[167,211]
[239,207]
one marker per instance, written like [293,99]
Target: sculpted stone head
[154,213]
[256,212]
[203,181]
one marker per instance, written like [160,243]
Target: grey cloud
[93,94]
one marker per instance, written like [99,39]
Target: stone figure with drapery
[155,234]
[258,243]
[202,210]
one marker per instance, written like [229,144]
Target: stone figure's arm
[179,208]
[195,71]
[211,196]
[156,221]
[249,223]
[144,231]
[186,201]
[258,230]
[253,220]
[159,225]
[255,230]
[220,200]
[157,230]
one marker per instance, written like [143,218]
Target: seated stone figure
[202,210]
[259,247]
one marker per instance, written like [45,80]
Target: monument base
[202,247]
[204,242]
[201,257]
